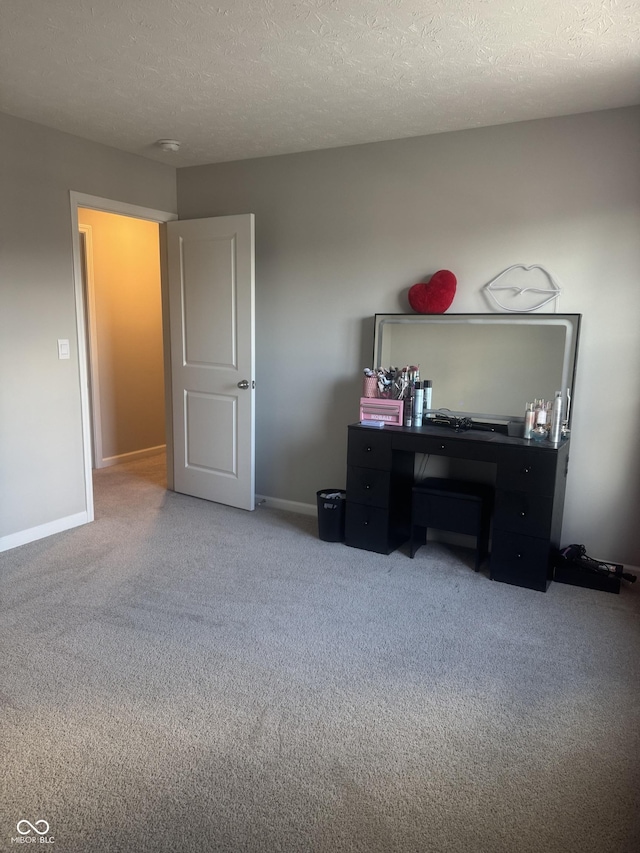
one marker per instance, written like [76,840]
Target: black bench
[453,505]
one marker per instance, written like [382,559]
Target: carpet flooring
[181,676]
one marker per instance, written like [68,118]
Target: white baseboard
[289,506]
[13,540]
[132,456]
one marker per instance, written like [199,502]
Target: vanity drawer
[368,486]
[523,512]
[528,472]
[447,443]
[367,527]
[369,449]
[520,560]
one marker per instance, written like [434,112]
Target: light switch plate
[64,351]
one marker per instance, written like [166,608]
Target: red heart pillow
[433,296]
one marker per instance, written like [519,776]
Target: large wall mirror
[487,366]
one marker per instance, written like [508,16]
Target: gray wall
[41,460]
[342,234]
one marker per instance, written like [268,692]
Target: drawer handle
[519,556]
[523,515]
[365,523]
[443,447]
[526,470]
[367,486]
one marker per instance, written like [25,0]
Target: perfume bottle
[539,433]
[540,430]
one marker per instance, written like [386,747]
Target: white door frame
[88,292]
[161,216]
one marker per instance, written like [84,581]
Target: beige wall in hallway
[125,260]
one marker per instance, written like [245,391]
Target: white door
[211,316]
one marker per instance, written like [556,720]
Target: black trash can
[331,504]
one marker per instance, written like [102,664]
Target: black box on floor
[577,576]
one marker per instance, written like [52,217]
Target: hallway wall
[127,322]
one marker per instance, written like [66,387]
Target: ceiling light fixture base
[168,144]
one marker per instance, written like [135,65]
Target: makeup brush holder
[370,386]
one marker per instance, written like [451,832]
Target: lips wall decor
[433,296]
[540,282]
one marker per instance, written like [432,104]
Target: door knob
[244,384]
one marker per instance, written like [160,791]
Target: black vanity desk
[529,500]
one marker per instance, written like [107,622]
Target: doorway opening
[123,337]
[122,285]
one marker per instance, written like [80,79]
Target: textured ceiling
[246,78]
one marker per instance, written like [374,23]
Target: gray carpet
[182,676]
